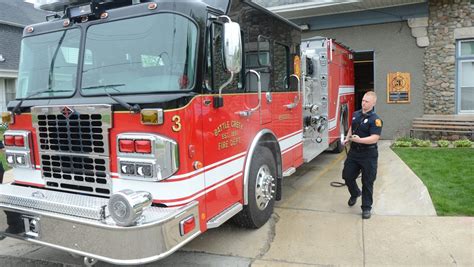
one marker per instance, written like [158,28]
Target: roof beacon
[57,5]
[82,9]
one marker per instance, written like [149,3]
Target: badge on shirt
[366,120]
[378,122]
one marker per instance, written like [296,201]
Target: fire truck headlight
[10,159]
[146,157]
[18,153]
[20,159]
[144,170]
[127,168]
[126,206]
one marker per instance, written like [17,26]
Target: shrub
[415,141]
[421,143]
[3,127]
[405,139]
[443,143]
[424,143]
[402,144]
[462,143]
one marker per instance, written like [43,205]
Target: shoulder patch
[378,122]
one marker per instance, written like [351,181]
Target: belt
[362,147]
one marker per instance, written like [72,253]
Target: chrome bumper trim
[156,236]
[45,200]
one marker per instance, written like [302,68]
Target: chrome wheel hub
[264,187]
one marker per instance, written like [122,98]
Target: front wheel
[261,190]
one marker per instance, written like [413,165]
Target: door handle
[297,98]
[248,112]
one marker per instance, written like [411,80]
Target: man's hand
[355,138]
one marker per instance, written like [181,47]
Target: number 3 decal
[177,123]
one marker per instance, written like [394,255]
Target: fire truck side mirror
[232,47]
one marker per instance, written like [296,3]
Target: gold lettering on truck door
[177,123]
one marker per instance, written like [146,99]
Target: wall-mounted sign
[398,87]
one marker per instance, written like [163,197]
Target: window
[258,57]
[71,55]
[10,86]
[465,74]
[48,64]
[281,73]
[147,54]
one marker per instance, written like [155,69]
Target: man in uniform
[363,134]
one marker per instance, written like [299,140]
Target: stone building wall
[272,3]
[445,18]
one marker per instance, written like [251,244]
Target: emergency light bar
[81,8]
[78,11]
[57,5]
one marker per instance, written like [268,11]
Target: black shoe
[366,214]
[352,200]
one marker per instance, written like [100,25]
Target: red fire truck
[139,124]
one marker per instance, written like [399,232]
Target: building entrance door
[364,75]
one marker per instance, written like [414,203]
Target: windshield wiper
[53,60]
[133,108]
[17,108]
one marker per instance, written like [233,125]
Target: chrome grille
[75,173]
[74,146]
[80,133]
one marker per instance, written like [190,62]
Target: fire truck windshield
[49,64]
[145,54]
[148,54]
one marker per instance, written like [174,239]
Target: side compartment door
[315,95]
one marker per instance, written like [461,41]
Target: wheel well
[267,139]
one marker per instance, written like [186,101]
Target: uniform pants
[364,161]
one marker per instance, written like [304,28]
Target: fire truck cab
[140,124]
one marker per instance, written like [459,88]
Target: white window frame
[459,60]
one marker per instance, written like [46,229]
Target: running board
[289,172]
[224,216]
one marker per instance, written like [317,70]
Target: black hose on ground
[339,184]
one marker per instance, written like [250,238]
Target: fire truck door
[227,130]
[226,137]
[256,78]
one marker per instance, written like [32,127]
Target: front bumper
[79,224]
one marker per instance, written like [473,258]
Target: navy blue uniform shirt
[365,125]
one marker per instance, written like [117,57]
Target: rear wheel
[261,190]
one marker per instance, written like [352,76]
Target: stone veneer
[272,3]
[446,19]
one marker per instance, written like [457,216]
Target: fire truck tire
[261,190]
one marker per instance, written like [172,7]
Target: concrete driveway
[313,225]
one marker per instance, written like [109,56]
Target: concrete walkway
[313,226]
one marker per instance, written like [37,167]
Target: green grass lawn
[3,161]
[2,154]
[448,173]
